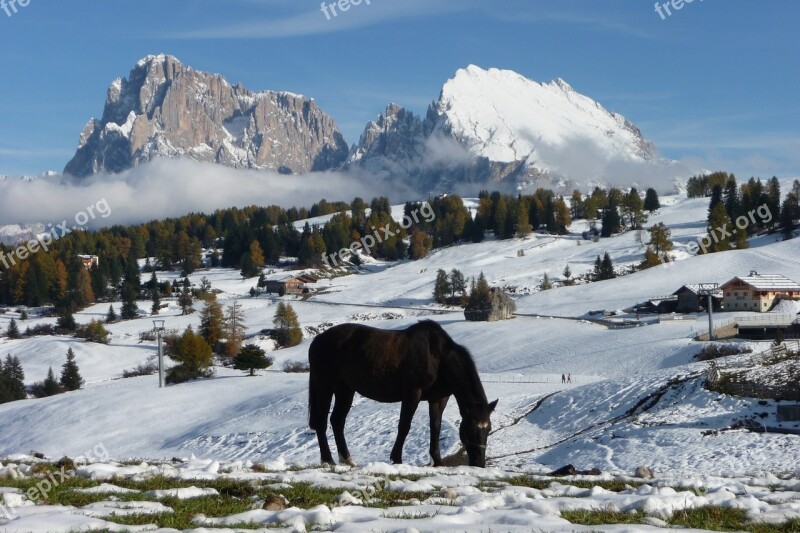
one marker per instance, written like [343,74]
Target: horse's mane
[462,352]
[464,365]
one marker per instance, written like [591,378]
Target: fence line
[752,360]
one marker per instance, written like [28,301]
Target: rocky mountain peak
[493,124]
[166,109]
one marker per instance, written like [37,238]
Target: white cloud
[313,21]
[168,188]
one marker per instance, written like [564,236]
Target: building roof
[303,278]
[695,288]
[768,282]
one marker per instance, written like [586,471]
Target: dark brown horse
[420,363]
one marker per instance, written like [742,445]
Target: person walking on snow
[569,378]
[563,378]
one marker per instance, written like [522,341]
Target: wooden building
[691,301]
[758,292]
[291,284]
[89,261]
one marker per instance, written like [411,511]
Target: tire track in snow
[642,406]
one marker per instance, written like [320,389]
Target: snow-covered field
[636,398]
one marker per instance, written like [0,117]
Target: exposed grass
[597,517]
[406,515]
[708,518]
[240,496]
[714,518]
[186,510]
[541,484]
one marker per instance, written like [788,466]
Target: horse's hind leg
[344,401]
[320,403]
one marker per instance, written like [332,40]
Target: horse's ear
[492,406]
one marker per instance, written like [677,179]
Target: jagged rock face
[495,125]
[393,144]
[165,109]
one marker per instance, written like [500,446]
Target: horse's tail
[313,385]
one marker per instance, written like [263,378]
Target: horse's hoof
[347,461]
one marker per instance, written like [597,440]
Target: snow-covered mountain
[166,109]
[494,125]
[486,126]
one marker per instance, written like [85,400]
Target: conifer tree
[550,215]
[608,267]
[634,209]
[790,212]
[546,284]
[604,268]
[741,242]
[716,197]
[577,208]
[458,284]
[129,308]
[287,327]
[441,288]
[651,258]
[13,330]
[70,374]
[500,216]
[130,289]
[421,243]
[568,276]
[731,197]
[651,201]
[523,226]
[155,294]
[190,350]
[111,316]
[235,330]
[480,294]
[719,228]
[773,200]
[50,386]
[185,300]
[252,358]
[12,380]
[611,220]
[66,321]
[562,216]
[660,239]
[212,321]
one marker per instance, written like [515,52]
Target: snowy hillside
[636,398]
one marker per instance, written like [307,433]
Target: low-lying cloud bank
[169,187]
[175,187]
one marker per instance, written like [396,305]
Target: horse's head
[475,428]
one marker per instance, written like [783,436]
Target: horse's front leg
[407,410]
[344,401]
[436,408]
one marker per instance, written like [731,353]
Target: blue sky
[716,83]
